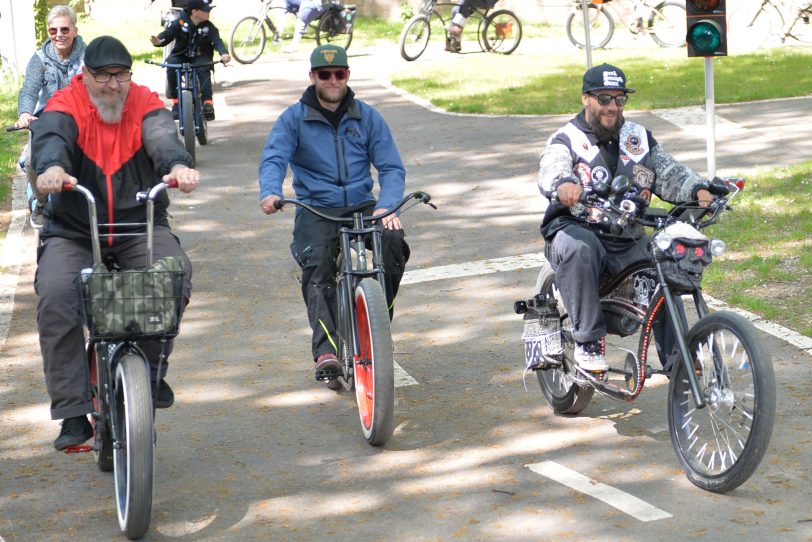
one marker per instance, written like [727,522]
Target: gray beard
[109,113]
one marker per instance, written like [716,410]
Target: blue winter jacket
[331,168]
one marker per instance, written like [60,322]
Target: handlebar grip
[278,204]
[67,187]
[172,184]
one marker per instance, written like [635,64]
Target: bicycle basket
[129,304]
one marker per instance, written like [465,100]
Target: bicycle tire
[801,29]
[667,24]
[331,30]
[563,395]
[187,128]
[103,441]
[202,125]
[374,369]
[601,27]
[501,32]
[247,40]
[736,424]
[135,455]
[415,37]
[751,27]
[344,333]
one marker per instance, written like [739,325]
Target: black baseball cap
[202,5]
[605,77]
[107,51]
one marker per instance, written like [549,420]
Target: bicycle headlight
[663,241]
[717,247]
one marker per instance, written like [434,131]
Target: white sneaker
[590,356]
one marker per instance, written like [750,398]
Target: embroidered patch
[600,175]
[583,172]
[329,55]
[643,176]
[634,145]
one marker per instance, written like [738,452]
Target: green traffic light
[705,37]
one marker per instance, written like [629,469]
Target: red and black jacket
[114,161]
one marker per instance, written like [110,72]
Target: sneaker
[175,111]
[590,356]
[327,367]
[166,397]
[37,215]
[452,45]
[74,432]
[208,110]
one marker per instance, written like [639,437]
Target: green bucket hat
[328,56]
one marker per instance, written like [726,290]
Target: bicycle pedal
[327,376]
[78,449]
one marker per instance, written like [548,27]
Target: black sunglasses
[606,99]
[325,75]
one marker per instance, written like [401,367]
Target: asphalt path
[255,449]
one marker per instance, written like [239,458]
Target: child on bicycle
[460,16]
[195,39]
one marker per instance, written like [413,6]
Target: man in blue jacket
[330,139]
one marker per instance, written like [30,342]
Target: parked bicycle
[497,31]
[334,24]
[664,21]
[754,25]
[191,119]
[721,395]
[119,309]
[362,318]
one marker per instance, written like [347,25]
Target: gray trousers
[579,257]
[61,334]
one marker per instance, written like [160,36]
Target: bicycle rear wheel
[415,37]
[134,456]
[601,27]
[721,445]
[374,367]
[332,28]
[247,40]
[666,24]
[188,119]
[501,32]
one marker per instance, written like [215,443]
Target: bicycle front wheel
[415,37]
[374,367]
[721,445]
[133,457]
[501,32]
[332,28]
[666,24]
[601,27]
[187,118]
[247,40]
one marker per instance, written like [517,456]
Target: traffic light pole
[710,117]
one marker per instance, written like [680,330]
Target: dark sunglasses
[606,99]
[325,75]
[64,30]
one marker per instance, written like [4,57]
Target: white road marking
[11,255]
[402,378]
[629,504]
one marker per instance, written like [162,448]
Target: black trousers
[579,257]
[315,247]
[61,335]
[203,76]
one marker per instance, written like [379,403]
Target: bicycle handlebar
[185,65]
[423,197]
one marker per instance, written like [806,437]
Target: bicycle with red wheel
[362,316]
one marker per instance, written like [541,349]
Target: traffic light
[707,28]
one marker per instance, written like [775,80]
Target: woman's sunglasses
[64,30]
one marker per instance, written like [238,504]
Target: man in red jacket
[115,138]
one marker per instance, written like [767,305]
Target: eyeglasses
[63,30]
[325,75]
[606,99]
[104,77]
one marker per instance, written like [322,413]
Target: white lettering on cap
[612,79]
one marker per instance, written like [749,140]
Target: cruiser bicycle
[364,346]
